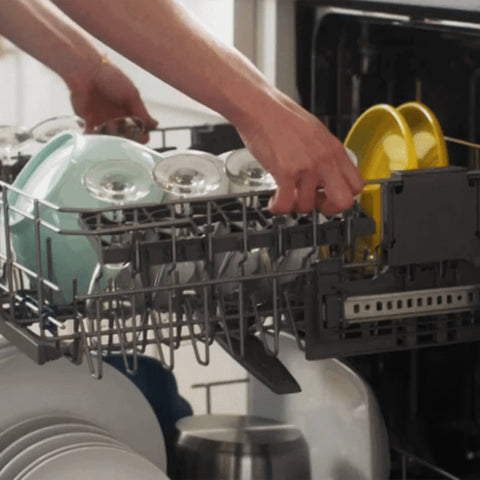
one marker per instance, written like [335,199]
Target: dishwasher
[350,55]
[401,323]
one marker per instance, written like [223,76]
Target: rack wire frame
[171,312]
[301,263]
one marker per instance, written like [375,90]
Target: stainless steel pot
[240,447]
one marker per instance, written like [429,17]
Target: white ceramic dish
[60,450]
[105,462]
[24,442]
[63,389]
[30,456]
[17,430]
[162,275]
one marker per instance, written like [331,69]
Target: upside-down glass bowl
[76,171]
[184,174]
[245,172]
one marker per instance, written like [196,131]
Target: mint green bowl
[60,174]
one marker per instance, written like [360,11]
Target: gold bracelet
[103,61]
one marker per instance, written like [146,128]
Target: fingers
[301,154]
[306,193]
[283,201]
[335,197]
[150,124]
[350,172]
[138,109]
[298,192]
[89,123]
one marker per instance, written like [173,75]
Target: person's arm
[293,145]
[42,30]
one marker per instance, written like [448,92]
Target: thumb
[137,108]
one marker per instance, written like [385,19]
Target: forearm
[40,29]
[160,36]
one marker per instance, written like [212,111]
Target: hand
[301,154]
[109,94]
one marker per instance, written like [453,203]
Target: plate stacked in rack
[57,422]
[387,139]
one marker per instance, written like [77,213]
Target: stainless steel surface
[434,471]
[337,413]
[412,303]
[240,447]
[467,5]
[396,18]
[476,146]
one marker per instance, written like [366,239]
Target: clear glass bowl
[46,130]
[245,172]
[126,127]
[115,181]
[190,173]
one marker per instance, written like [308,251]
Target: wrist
[84,72]
[245,104]
[265,105]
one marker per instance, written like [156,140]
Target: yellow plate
[427,135]
[382,141]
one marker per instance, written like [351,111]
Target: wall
[32,93]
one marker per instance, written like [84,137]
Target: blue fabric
[160,389]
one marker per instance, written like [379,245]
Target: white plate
[23,427]
[24,442]
[59,450]
[107,463]
[61,388]
[31,456]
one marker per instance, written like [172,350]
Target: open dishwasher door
[336,411]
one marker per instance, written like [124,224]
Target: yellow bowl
[427,135]
[382,141]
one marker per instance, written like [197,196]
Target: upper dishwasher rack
[226,299]
[224,269]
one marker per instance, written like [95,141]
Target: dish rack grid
[311,277]
[208,233]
